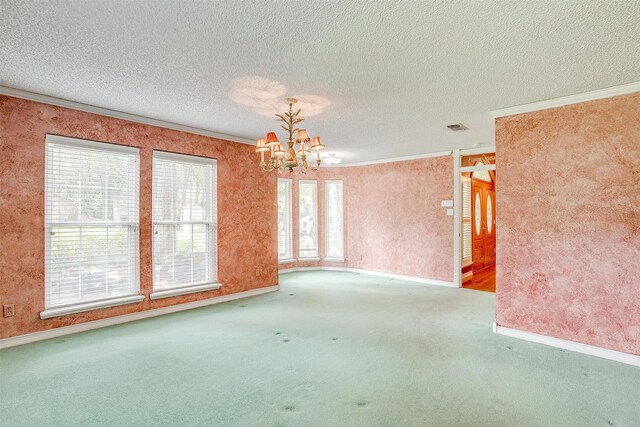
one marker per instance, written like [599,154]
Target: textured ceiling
[382,79]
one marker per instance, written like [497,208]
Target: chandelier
[281,160]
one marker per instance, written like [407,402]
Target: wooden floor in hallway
[484,280]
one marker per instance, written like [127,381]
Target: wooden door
[490,228]
[478,199]
[483,213]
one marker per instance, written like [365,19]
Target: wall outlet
[8,310]
[257,272]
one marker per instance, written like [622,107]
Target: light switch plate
[449,212]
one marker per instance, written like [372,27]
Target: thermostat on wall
[447,203]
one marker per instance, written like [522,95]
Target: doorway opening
[478,222]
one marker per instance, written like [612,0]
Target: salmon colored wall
[569,222]
[246,217]
[393,217]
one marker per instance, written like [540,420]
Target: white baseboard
[618,356]
[116,320]
[373,273]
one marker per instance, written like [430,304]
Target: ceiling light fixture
[280,159]
[332,160]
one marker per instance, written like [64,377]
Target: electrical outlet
[257,272]
[8,310]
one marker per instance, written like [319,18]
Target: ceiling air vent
[457,127]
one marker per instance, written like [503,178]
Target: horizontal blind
[466,219]
[335,235]
[184,220]
[91,221]
[308,218]
[284,218]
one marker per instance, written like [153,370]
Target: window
[335,238]
[184,224]
[308,217]
[284,219]
[91,225]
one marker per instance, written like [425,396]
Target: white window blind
[284,218]
[184,221]
[466,220]
[91,221]
[334,218]
[308,217]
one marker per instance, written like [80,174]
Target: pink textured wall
[246,218]
[393,217]
[568,236]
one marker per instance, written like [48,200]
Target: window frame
[288,256]
[55,310]
[212,282]
[328,258]
[316,255]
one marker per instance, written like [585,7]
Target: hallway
[483,280]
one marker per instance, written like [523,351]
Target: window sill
[308,259]
[184,290]
[95,305]
[333,259]
[286,261]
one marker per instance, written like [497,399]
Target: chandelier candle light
[279,158]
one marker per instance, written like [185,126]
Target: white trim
[89,306]
[94,145]
[457,219]
[371,273]
[116,320]
[567,100]
[303,259]
[45,99]
[395,159]
[489,149]
[184,290]
[477,168]
[184,158]
[329,259]
[618,356]
[287,261]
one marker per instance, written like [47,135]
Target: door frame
[457,205]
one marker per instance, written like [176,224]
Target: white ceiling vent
[457,127]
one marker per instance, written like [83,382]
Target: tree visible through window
[308,213]
[184,220]
[334,218]
[284,218]
[91,221]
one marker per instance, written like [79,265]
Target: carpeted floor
[328,349]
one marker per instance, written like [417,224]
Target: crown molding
[567,100]
[393,159]
[59,102]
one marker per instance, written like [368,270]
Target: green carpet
[328,349]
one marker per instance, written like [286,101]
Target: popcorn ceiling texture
[568,230]
[394,222]
[395,73]
[246,218]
